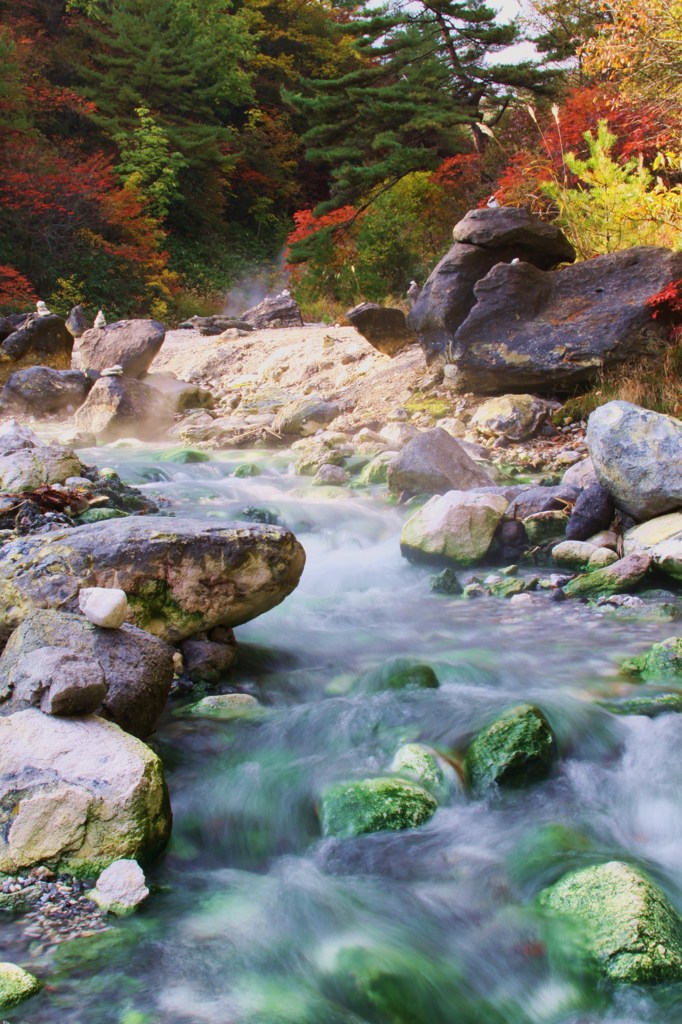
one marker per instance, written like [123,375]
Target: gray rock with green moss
[182,576]
[629,926]
[15,985]
[374,805]
[516,749]
[28,468]
[376,471]
[661,660]
[77,794]
[432,463]
[397,674]
[224,706]
[622,575]
[426,767]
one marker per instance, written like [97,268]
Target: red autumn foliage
[308,224]
[16,292]
[667,304]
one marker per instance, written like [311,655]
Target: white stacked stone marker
[104,606]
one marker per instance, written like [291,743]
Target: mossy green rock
[15,985]
[623,575]
[182,576]
[99,515]
[374,805]
[650,705]
[630,928]
[425,766]
[662,659]
[446,582]
[247,469]
[376,471]
[224,706]
[184,456]
[516,749]
[398,674]
[545,527]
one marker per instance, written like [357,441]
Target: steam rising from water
[266,280]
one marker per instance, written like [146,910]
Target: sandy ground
[275,365]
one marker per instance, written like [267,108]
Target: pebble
[104,606]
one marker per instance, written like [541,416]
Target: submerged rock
[397,674]
[374,805]
[630,928]
[77,794]
[456,527]
[224,706]
[181,576]
[661,660]
[516,749]
[614,579]
[637,455]
[16,985]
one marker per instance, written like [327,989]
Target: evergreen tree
[563,27]
[424,81]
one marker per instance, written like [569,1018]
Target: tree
[148,164]
[563,27]
[424,82]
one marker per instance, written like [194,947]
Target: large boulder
[180,394]
[432,463]
[629,927]
[182,576]
[77,794]
[137,667]
[621,576]
[209,326]
[40,341]
[130,344]
[26,468]
[482,239]
[280,311]
[42,391]
[529,330]
[516,749]
[515,417]
[124,407]
[457,527]
[637,455]
[384,327]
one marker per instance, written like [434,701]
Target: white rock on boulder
[456,527]
[104,606]
[120,888]
[637,455]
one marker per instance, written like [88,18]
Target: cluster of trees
[153,151]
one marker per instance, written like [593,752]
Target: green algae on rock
[16,985]
[614,579]
[224,706]
[661,660]
[457,527]
[516,749]
[397,674]
[182,576]
[184,456]
[425,766]
[630,928]
[374,805]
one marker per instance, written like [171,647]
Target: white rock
[104,606]
[120,888]
[100,321]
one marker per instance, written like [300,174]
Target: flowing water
[252,913]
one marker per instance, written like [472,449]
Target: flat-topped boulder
[130,344]
[44,391]
[536,241]
[181,576]
[38,341]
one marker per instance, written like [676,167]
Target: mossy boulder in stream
[622,575]
[425,767]
[15,985]
[456,527]
[397,674]
[374,805]
[516,749]
[181,576]
[661,660]
[77,794]
[629,927]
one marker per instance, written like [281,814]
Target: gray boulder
[137,669]
[637,455]
[433,463]
[181,576]
[593,512]
[42,391]
[515,417]
[77,794]
[385,328]
[547,332]
[123,407]
[131,344]
[280,311]
[26,468]
[532,500]
[483,239]
[457,527]
[206,658]
[180,394]
[76,324]
[40,341]
[305,416]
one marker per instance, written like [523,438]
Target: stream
[251,912]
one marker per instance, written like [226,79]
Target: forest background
[155,156]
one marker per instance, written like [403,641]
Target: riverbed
[252,912]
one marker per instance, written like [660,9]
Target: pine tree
[424,82]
